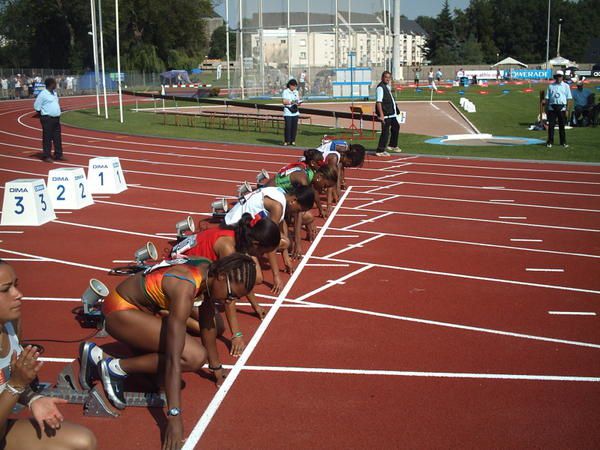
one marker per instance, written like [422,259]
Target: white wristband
[33,399]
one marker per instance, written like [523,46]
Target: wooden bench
[224,120]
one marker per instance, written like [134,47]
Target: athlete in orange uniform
[131,318]
[253,236]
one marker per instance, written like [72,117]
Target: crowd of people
[26,86]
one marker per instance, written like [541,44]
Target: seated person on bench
[251,236]
[300,174]
[273,202]
[131,314]
[19,367]
[583,100]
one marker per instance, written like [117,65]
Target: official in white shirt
[48,107]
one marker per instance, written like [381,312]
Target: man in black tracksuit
[387,113]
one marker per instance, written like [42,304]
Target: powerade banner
[530,74]
[37,88]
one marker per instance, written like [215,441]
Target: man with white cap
[558,95]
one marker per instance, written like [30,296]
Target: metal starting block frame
[95,403]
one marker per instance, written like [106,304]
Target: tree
[218,43]
[441,36]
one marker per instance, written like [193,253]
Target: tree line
[488,30]
[155,34]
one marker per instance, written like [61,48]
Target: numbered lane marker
[105,176]
[27,202]
[68,188]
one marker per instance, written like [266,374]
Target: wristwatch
[173,412]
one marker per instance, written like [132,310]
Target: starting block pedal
[95,403]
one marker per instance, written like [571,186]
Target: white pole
[336,41]
[385,66]
[308,50]
[102,59]
[241,39]
[396,42]
[548,38]
[289,43]
[118,60]
[95,45]
[227,46]
[558,43]
[262,50]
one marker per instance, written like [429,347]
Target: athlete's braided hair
[329,173]
[264,231]
[238,267]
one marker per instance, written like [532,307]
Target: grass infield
[502,110]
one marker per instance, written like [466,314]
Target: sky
[409,8]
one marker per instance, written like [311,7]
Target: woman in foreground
[19,366]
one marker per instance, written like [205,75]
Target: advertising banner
[530,74]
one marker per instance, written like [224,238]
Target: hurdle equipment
[244,189]
[105,176]
[185,225]
[68,188]
[27,203]
[262,176]
[145,253]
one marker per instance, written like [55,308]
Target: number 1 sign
[68,188]
[26,202]
[105,176]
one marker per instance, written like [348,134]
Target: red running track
[450,303]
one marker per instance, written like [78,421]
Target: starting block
[95,403]
[26,202]
[68,188]
[105,176]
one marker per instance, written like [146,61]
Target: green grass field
[498,113]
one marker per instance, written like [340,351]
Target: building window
[302,55]
[302,42]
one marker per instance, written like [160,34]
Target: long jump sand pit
[439,118]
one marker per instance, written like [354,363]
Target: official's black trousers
[385,134]
[556,115]
[291,128]
[50,134]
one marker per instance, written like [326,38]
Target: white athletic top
[13,341]
[254,204]
[327,148]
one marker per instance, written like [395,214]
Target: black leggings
[556,115]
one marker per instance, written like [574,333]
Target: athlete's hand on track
[173,434]
[237,346]
[220,376]
[277,285]
[260,311]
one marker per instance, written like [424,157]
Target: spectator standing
[219,71]
[430,77]
[4,85]
[439,75]
[291,114]
[18,86]
[558,95]
[303,82]
[583,100]
[417,75]
[388,115]
[47,105]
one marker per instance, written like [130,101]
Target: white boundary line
[213,406]
[59,261]
[571,313]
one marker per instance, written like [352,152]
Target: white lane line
[479,244]
[213,406]
[60,261]
[375,202]
[385,177]
[533,269]
[389,186]
[465,276]
[12,232]
[353,246]
[493,187]
[112,230]
[166,234]
[127,205]
[352,215]
[102,196]
[403,373]
[330,283]
[454,325]
[123,261]
[363,221]
[526,240]
[361,198]
[63,212]
[464,166]
[326,265]
[24,260]
[341,236]
[56,360]
[501,201]
[181,191]
[513,217]
[572,313]
[52,299]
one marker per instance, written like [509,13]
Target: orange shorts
[114,302]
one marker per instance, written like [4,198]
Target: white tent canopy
[509,62]
[560,61]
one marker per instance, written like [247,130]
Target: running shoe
[382,154]
[549,145]
[565,145]
[394,150]
[88,370]
[293,144]
[114,385]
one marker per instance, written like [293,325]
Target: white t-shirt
[303,77]
[293,97]
[327,148]
[254,204]
[379,98]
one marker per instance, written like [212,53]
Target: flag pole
[102,59]
[95,45]
[118,61]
